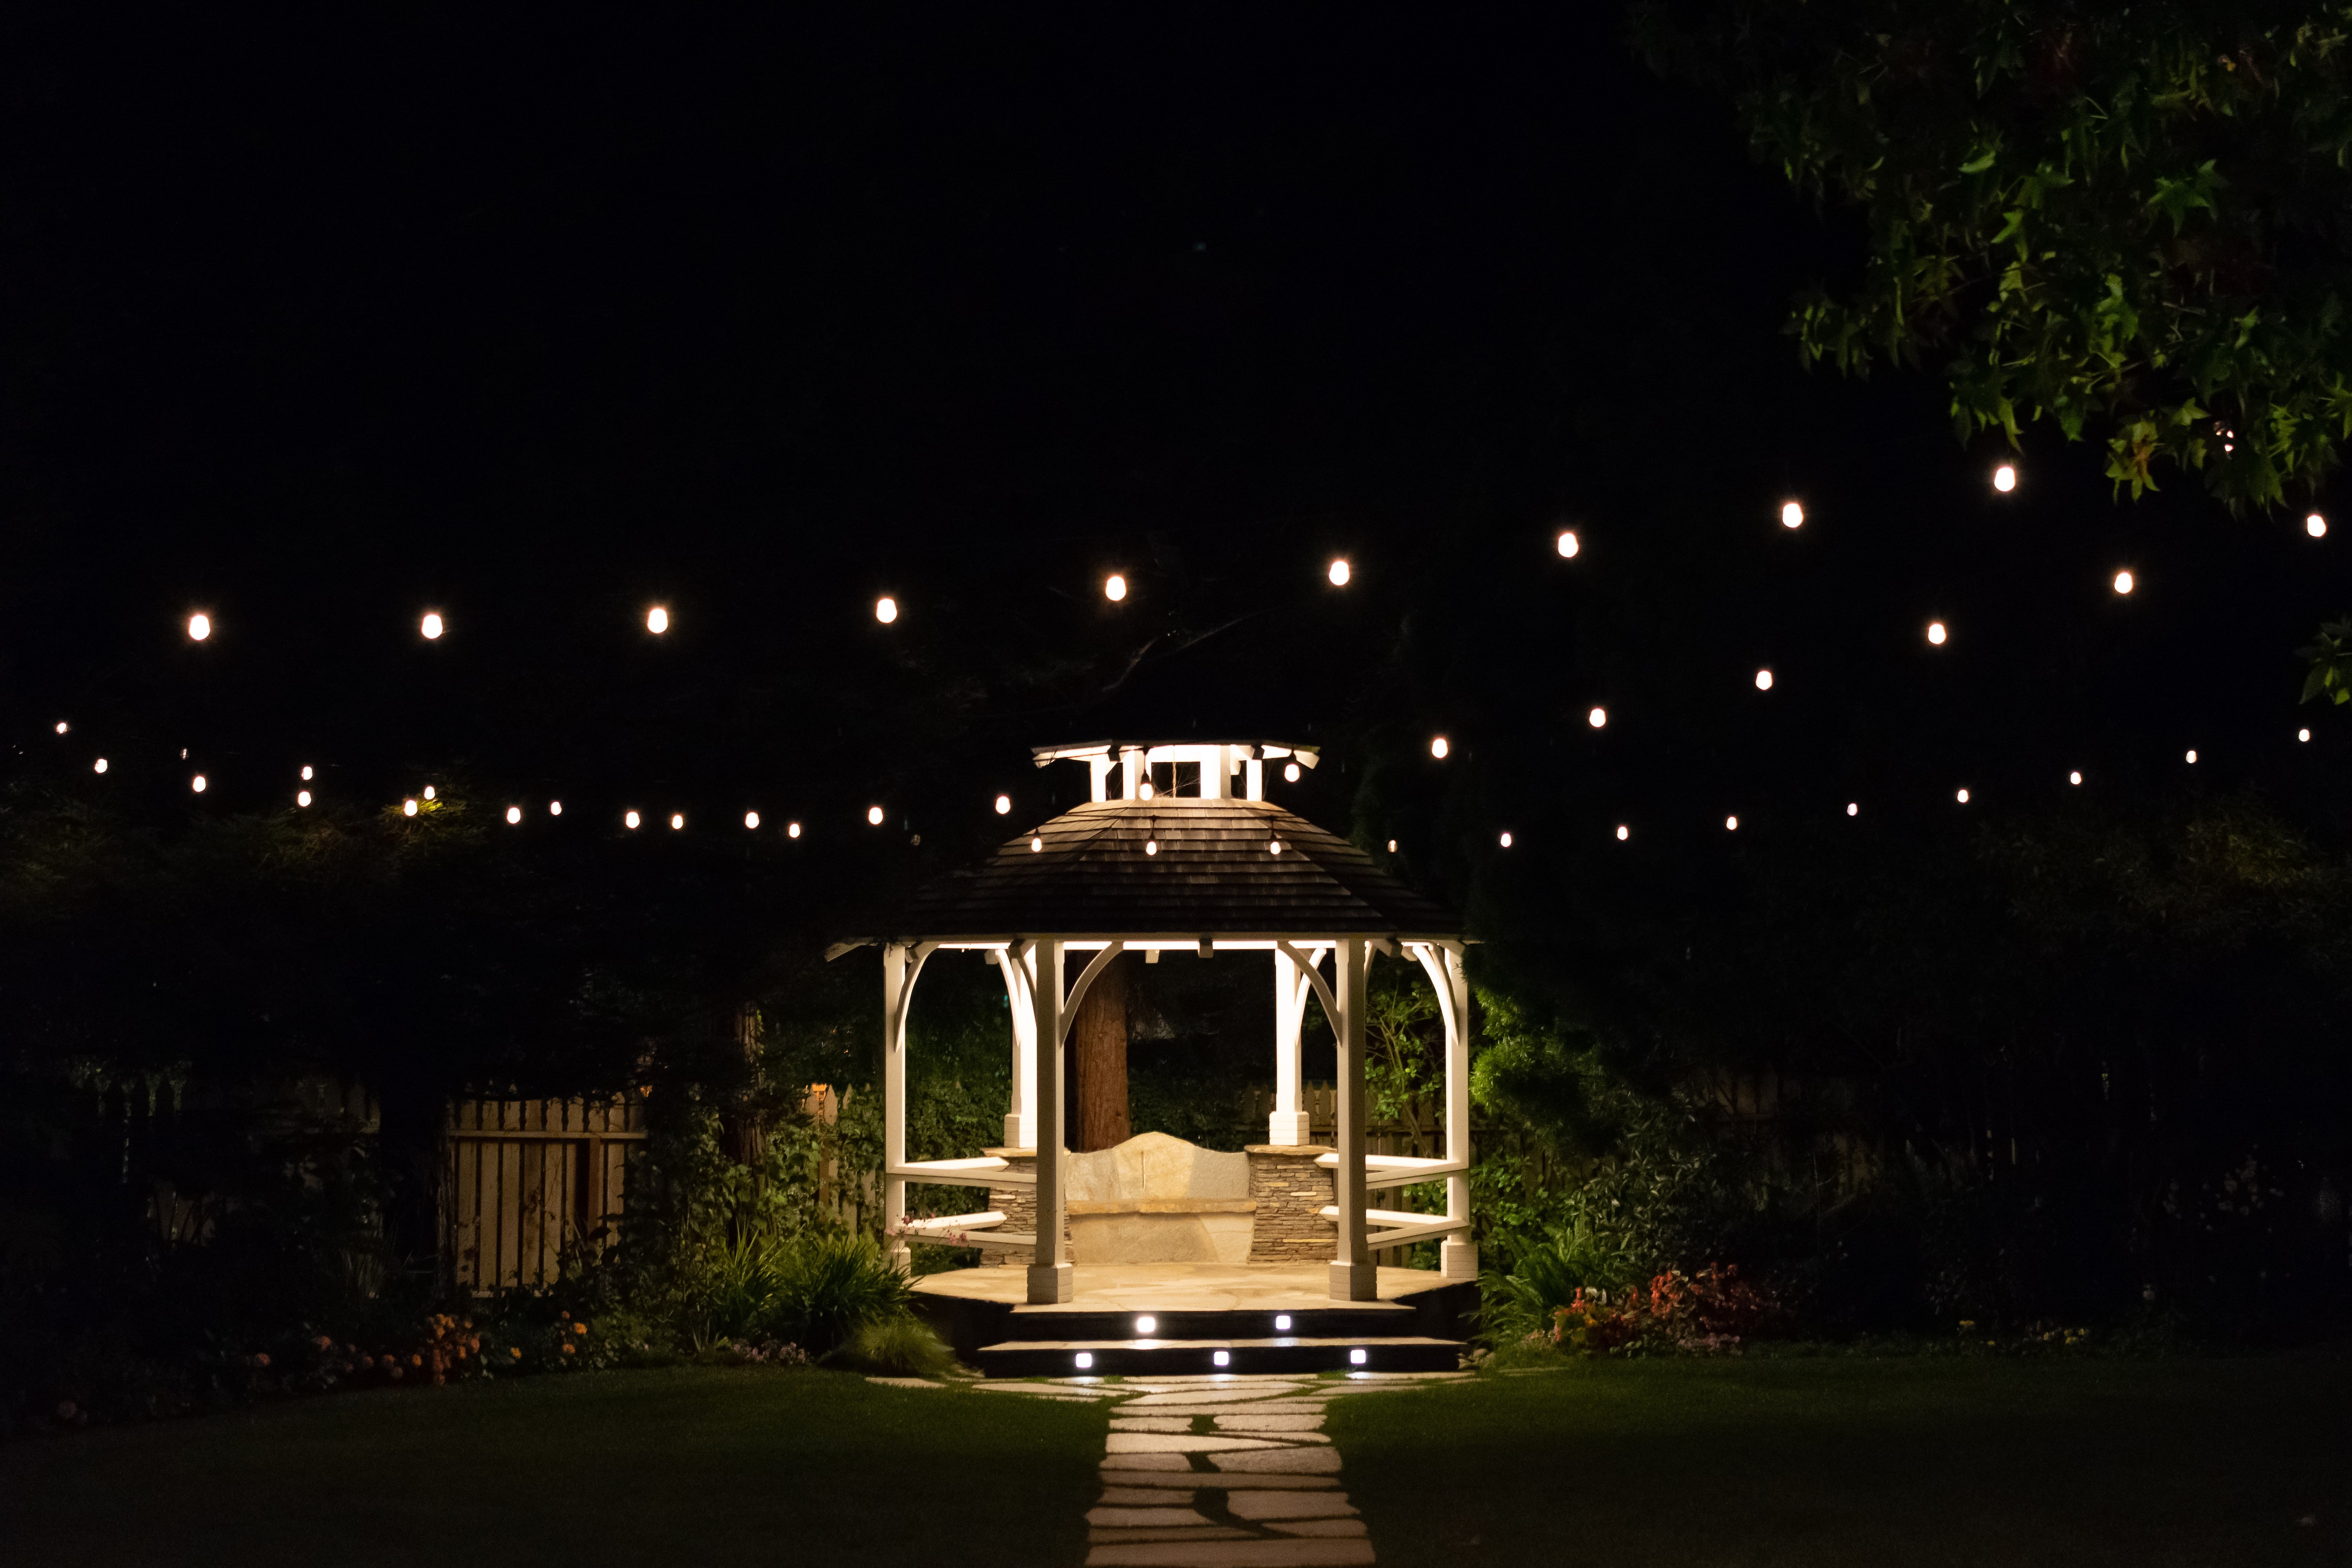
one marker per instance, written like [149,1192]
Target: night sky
[317,322]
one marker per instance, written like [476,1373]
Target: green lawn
[1819,1463]
[702,1467]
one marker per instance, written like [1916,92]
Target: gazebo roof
[1214,875]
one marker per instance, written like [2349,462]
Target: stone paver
[1178,1443]
[1280,1461]
[1131,1518]
[1287,1504]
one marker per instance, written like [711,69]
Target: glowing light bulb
[1763,679]
[676,820]
[1339,574]
[428,791]
[1273,847]
[197,783]
[630,820]
[1505,840]
[2004,478]
[408,807]
[1961,795]
[431,625]
[61,726]
[555,807]
[2123,582]
[1392,846]
[1438,748]
[514,815]
[2073,778]
[2193,759]
[1036,845]
[1004,805]
[2316,526]
[99,765]
[199,628]
[657,620]
[2299,735]
[874,815]
[886,610]
[306,773]
[1597,717]
[1936,633]
[1290,773]
[1568,545]
[1145,1325]
[792,829]
[1853,809]
[1623,833]
[1793,516]
[1730,825]
[1152,846]
[1143,791]
[302,798]
[1114,588]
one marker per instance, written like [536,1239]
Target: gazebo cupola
[1179,850]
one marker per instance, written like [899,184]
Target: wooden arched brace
[1315,976]
[1435,968]
[921,956]
[1078,991]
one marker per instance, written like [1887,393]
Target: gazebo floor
[1265,1317]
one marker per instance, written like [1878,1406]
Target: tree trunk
[1098,1061]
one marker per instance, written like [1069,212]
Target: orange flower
[567,1350]
[579,1328]
[261,1358]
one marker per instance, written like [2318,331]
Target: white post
[1049,1276]
[894,1102]
[1254,779]
[1099,766]
[1215,768]
[1020,1125]
[1353,1277]
[1457,1254]
[1288,1124]
[1129,762]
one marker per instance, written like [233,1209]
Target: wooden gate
[529,1181]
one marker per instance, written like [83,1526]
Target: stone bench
[1158,1199]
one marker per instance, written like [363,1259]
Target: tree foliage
[2129,221]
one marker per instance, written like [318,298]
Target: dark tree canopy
[2129,221]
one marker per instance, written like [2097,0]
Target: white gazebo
[1179,850]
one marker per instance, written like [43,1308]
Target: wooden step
[1175,1357]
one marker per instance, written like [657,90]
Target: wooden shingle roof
[1214,873]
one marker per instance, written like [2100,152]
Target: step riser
[1337,1323]
[1184,1361]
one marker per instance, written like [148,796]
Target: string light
[676,820]
[1036,845]
[2004,478]
[751,820]
[1438,748]
[1730,825]
[306,773]
[1763,679]
[2123,582]
[61,726]
[2316,526]
[1505,840]
[1961,795]
[1339,574]
[2299,735]
[1290,773]
[1275,847]
[874,815]
[1623,833]
[555,807]
[1114,588]
[2193,759]
[430,625]
[1793,516]
[630,820]
[1152,846]
[1853,808]
[428,791]
[408,807]
[657,620]
[1392,846]
[302,798]
[1004,805]
[1597,717]
[2073,778]
[792,829]
[198,784]
[886,610]
[514,815]
[1935,633]
[99,765]
[1568,545]
[200,626]
[1144,791]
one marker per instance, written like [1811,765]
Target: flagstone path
[1219,1471]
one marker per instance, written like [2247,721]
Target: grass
[1973,1463]
[708,1466]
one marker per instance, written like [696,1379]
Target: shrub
[829,1286]
[1714,1312]
[895,1347]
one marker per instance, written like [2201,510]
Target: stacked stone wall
[1291,1191]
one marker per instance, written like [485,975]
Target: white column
[1020,1127]
[1216,766]
[1457,1254]
[1049,1276]
[1099,766]
[1353,1277]
[1288,1124]
[1131,762]
[1254,779]
[894,1100]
